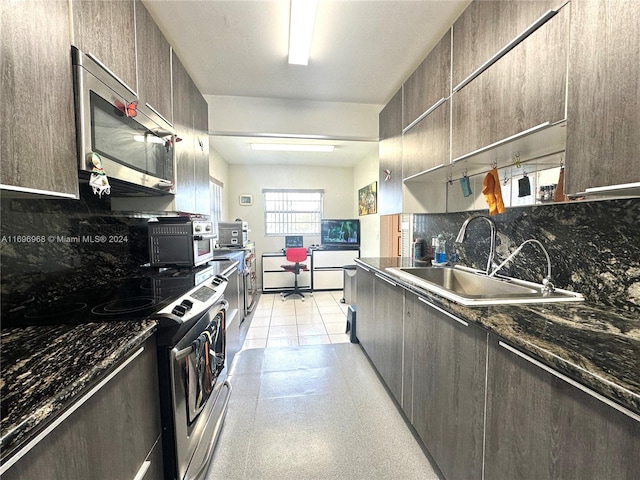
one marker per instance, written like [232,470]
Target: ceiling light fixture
[302,18]
[291,147]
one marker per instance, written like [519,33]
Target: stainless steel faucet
[547,286]
[492,251]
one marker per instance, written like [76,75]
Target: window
[292,212]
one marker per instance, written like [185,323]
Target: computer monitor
[293,241]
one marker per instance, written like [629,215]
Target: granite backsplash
[594,246]
[57,245]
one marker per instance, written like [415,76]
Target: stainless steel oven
[194,391]
[175,241]
[134,142]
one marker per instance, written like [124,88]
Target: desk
[276,279]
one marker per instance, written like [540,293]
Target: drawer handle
[386,280]
[568,380]
[444,312]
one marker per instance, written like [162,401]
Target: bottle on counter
[441,252]
[417,249]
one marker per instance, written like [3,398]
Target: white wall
[336,182]
[364,173]
[219,169]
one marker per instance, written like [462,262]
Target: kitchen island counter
[596,346]
[46,369]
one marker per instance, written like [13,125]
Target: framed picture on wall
[367,199]
[246,199]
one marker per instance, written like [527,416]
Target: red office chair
[295,255]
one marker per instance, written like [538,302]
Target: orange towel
[493,193]
[559,196]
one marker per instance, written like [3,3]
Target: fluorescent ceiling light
[303,16]
[291,147]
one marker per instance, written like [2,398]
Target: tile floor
[312,412]
[320,319]
[307,404]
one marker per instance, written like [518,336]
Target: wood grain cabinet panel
[365,314]
[390,157]
[154,63]
[524,89]
[37,123]
[201,148]
[107,31]
[540,426]
[486,26]
[429,83]
[191,120]
[109,436]
[426,145]
[185,200]
[389,305]
[444,364]
[603,117]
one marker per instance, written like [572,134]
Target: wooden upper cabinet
[154,63]
[37,124]
[486,26]
[522,90]
[426,145]
[603,118]
[390,157]
[201,146]
[106,29]
[429,83]
[183,124]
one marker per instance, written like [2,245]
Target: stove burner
[122,306]
[60,310]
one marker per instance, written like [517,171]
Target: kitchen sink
[475,288]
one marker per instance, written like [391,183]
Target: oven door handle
[180,354]
[205,237]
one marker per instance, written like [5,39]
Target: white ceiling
[362,51]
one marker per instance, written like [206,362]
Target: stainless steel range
[191,310]
[194,391]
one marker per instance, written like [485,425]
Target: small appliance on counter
[233,234]
[180,241]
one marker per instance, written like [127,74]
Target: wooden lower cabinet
[541,426]
[365,316]
[389,307]
[379,326]
[444,387]
[108,437]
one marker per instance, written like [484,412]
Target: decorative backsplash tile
[49,242]
[594,246]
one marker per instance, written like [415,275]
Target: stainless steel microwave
[134,142]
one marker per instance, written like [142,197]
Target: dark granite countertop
[596,346]
[45,369]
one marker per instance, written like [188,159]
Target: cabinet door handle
[508,47]
[158,113]
[386,280]
[504,141]
[110,72]
[364,268]
[423,115]
[444,312]
[568,380]
[142,471]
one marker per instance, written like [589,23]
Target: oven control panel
[194,303]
